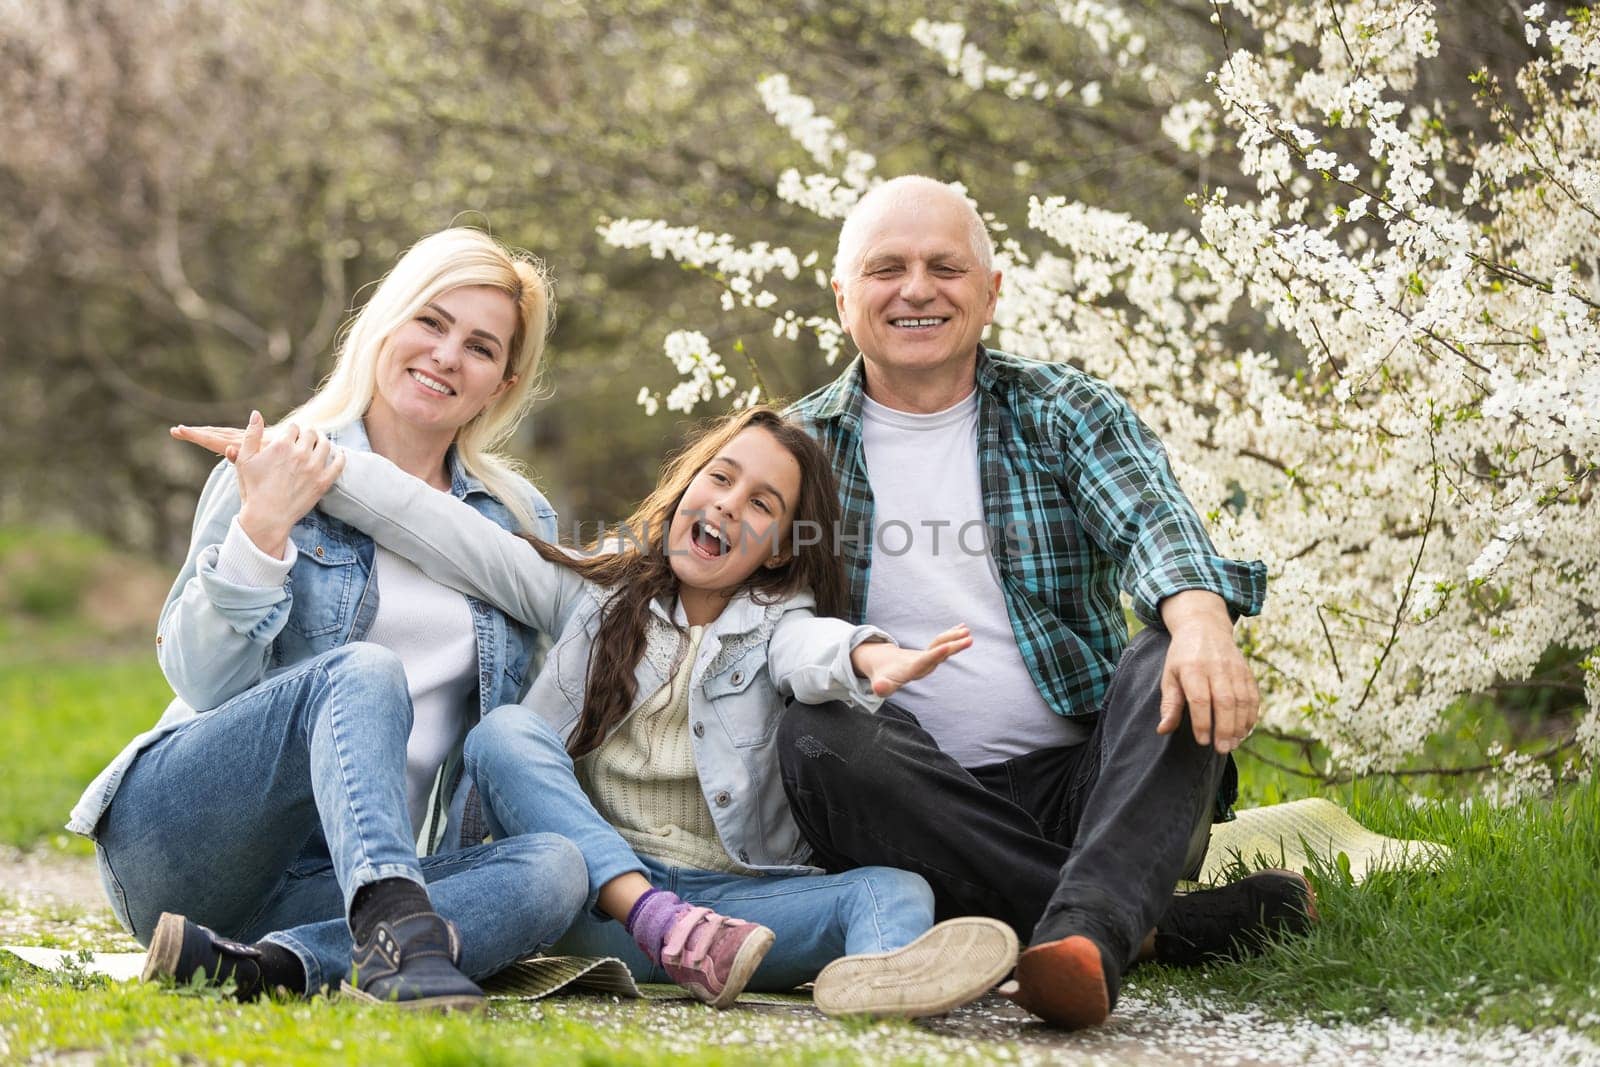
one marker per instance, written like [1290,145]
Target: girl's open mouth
[707,540]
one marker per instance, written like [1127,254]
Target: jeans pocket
[113,888]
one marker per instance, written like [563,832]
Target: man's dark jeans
[1087,839]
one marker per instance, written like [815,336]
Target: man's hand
[1206,673]
[889,667]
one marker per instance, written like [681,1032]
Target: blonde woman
[267,831]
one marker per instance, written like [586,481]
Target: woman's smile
[447,363]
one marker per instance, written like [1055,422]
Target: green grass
[43,573]
[48,1015]
[60,722]
[133,1023]
[74,687]
[1505,932]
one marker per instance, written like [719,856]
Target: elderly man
[1047,777]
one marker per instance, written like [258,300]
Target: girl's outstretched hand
[888,667]
[279,480]
[223,440]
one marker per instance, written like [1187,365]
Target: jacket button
[738,678]
[722,799]
[319,551]
[158,639]
[699,729]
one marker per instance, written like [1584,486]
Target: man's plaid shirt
[1078,498]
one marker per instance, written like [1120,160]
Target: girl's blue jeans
[526,781]
[816,918]
[262,818]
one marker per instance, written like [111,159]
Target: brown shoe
[1064,983]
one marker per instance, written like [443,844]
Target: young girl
[648,739]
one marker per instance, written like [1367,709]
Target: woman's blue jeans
[262,818]
[528,786]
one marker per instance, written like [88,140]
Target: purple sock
[650,918]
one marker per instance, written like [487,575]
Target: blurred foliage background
[196,192]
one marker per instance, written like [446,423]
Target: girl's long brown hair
[641,572]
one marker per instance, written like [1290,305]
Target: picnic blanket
[529,979]
[1290,835]
[1281,835]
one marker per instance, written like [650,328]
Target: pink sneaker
[713,956]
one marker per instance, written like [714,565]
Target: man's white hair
[847,258]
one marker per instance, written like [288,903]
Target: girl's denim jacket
[751,658]
[217,639]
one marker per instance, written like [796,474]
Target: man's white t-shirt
[932,568]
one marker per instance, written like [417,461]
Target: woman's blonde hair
[434,265]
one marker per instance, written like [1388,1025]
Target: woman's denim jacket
[751,658]
[216,639]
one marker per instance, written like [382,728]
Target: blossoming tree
[1376,367]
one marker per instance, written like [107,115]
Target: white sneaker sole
[952,964]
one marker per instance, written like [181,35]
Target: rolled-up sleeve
[809,659]
[1134,510]
[226,607]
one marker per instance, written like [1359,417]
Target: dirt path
[44,878]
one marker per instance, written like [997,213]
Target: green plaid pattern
[1079,501]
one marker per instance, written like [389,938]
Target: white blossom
[704,378]
[1190,124]
[1416,457]
[798,116]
